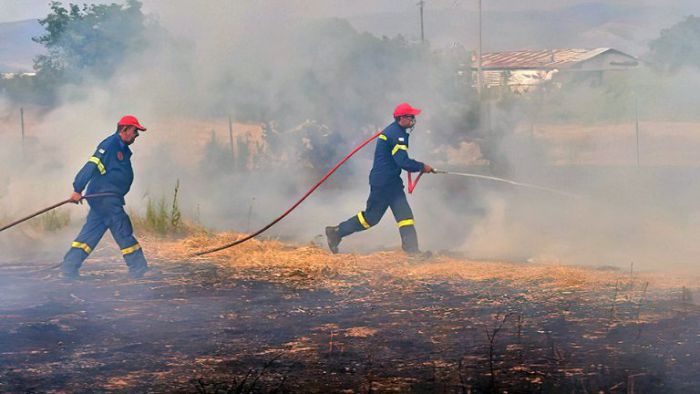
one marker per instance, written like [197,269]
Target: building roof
[541,59]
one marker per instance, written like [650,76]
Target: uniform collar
[407,131]
[122,145]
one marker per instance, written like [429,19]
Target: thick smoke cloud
[268,66]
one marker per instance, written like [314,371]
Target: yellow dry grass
[313,264]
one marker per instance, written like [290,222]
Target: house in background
[522,71]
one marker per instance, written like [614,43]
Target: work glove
[427,168]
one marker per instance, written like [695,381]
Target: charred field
[274,317]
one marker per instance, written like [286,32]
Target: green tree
[677,46]
[92,39]
[157,215]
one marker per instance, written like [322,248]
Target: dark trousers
[380,198]
[105,213]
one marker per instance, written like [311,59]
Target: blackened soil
[200,328]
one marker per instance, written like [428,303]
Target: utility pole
[421,3]
[479,77]
[21,122]
[230,138]
[636,123]
[484,102]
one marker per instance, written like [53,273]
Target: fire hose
[411,186]
[296,204]
[47,209]
[54,206]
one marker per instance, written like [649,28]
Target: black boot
[409,239]
[333,238]
[70,270]
[70,275]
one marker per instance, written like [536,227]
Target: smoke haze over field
[626,25]
[274,66]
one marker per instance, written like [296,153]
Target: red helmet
[405,109]
[130,120]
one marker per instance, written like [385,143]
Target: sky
[627,25]
[14,10]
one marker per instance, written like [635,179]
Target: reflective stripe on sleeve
[397,147]
[99,164]
[85,247]
[407,222]
[363,222]
[382,137]
[131,249]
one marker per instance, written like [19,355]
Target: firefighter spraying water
[386,186]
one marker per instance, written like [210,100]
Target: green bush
[157,216]
[163,221]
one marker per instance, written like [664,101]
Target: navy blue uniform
[107,171]
[386,188]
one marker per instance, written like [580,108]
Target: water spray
[508,181]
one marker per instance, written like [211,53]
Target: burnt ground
[204,327]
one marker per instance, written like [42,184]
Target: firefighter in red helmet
[386,186]
[107,171]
